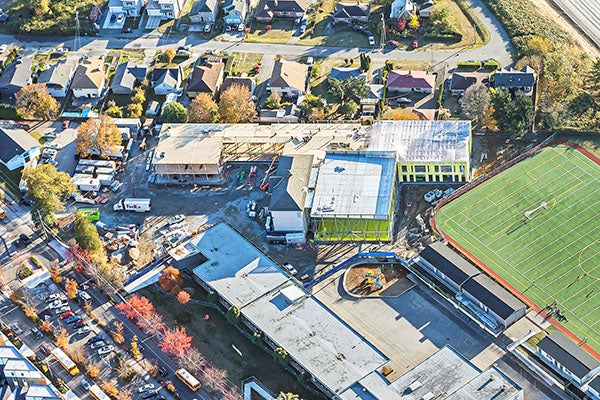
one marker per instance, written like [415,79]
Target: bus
[187,378]
[97,393]
[65,361]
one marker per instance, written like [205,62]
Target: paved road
[499,46]
[585,14]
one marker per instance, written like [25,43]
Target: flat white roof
[423,141]
[315,337]
[359,184]
[236,269]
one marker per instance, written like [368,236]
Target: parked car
[53,297]
[371,40]
[36,332]
[66,314]
[105,350]
[207,28]
[148,394]
[96,338]
[176,219]
[162,371]
[79,323]
[83,296]
[146,387]
[23,126]
[65,124]
[24,239]
[95,345]
[25,201]
[72,319]
[404,100]
[290,268]
[415,44]
[85,384]
[62,309]
[57,304]
[45,349]
[16,328]
[49,153]
[83,330]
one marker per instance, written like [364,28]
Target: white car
[404,100]
[371,40]
[146,387]
[58,303]
[176,219]
[53,146]
[83,330]
[50,135]
[3,47]
[97,344]
[290,268]
[53,297]
[62,309]
[106,350]
[207,28]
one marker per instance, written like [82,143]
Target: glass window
[420,168]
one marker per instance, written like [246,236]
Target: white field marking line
[565,286]
[593,312]
[581,293]
[576,238]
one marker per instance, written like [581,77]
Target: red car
[45,350]
[65,124]
[22,125]
[66,314]
[79,324]
[415,44]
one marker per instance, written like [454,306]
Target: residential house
[289,78]
[516,80]
[160,10]
[58,78]
[16,76]
[461,81]
[410,81]
[245,81]
[206,78]
[127,75]
[234,12]
[567,359]
[18,148]
[343,73]
[289,189]
[426,8]
[89,79]
[269,9]
[167,80]
[351,12]
[289,114]
[118,10]
[204,12]
[402,8]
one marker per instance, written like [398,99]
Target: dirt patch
[377,280]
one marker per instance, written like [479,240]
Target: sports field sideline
[537,225]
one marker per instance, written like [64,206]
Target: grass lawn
[243,63]
[281,31]
[318,85]
[125,55]
[553,255]
[214,339]
[353,230]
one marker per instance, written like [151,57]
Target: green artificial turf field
[537,225]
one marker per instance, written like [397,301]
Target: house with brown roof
[410,81]
[351,12]
[89,79]
[244,81]
[269,9]
[461,81]
[206,78]
[289,78]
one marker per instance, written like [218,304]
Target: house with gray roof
[204,12]
[57,78]
[516,80]
[16,76]
[127,76]
[351,12]
[166,80]
[567,359]
[234,12]
[289,188]
[18,148]
[343,73]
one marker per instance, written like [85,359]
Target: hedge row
[522,21]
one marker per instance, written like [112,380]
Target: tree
[513,116]
[203,109]
[46,326]
[55,274]
[288,396]
[34,102]
[71,288]
[365,62]
[139,96]
[113,110]
[539,45]
[232,393]
[62,338]
[170,280]
[399,114]
[215,377]
[175,341]
[315,72]
[136,307]
[349,108]
[117,332]
[152,323]
[192,360]
[88,241]
[110,388]
[92,369]
[233,315]
[124,394]
[135,110]
[354,88]
[281,356]
[174,112]
[168,55]
[98,135]
[183,297]
[273,101]
[475,102]
[236,105]
[30,312]
[401,24]
[48,188]
[414,22]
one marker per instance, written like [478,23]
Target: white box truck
[137,205]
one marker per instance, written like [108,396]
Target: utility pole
[77,40]
[382,38]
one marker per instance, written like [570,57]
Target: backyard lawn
[280,32]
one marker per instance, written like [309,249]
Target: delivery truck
[137,205]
